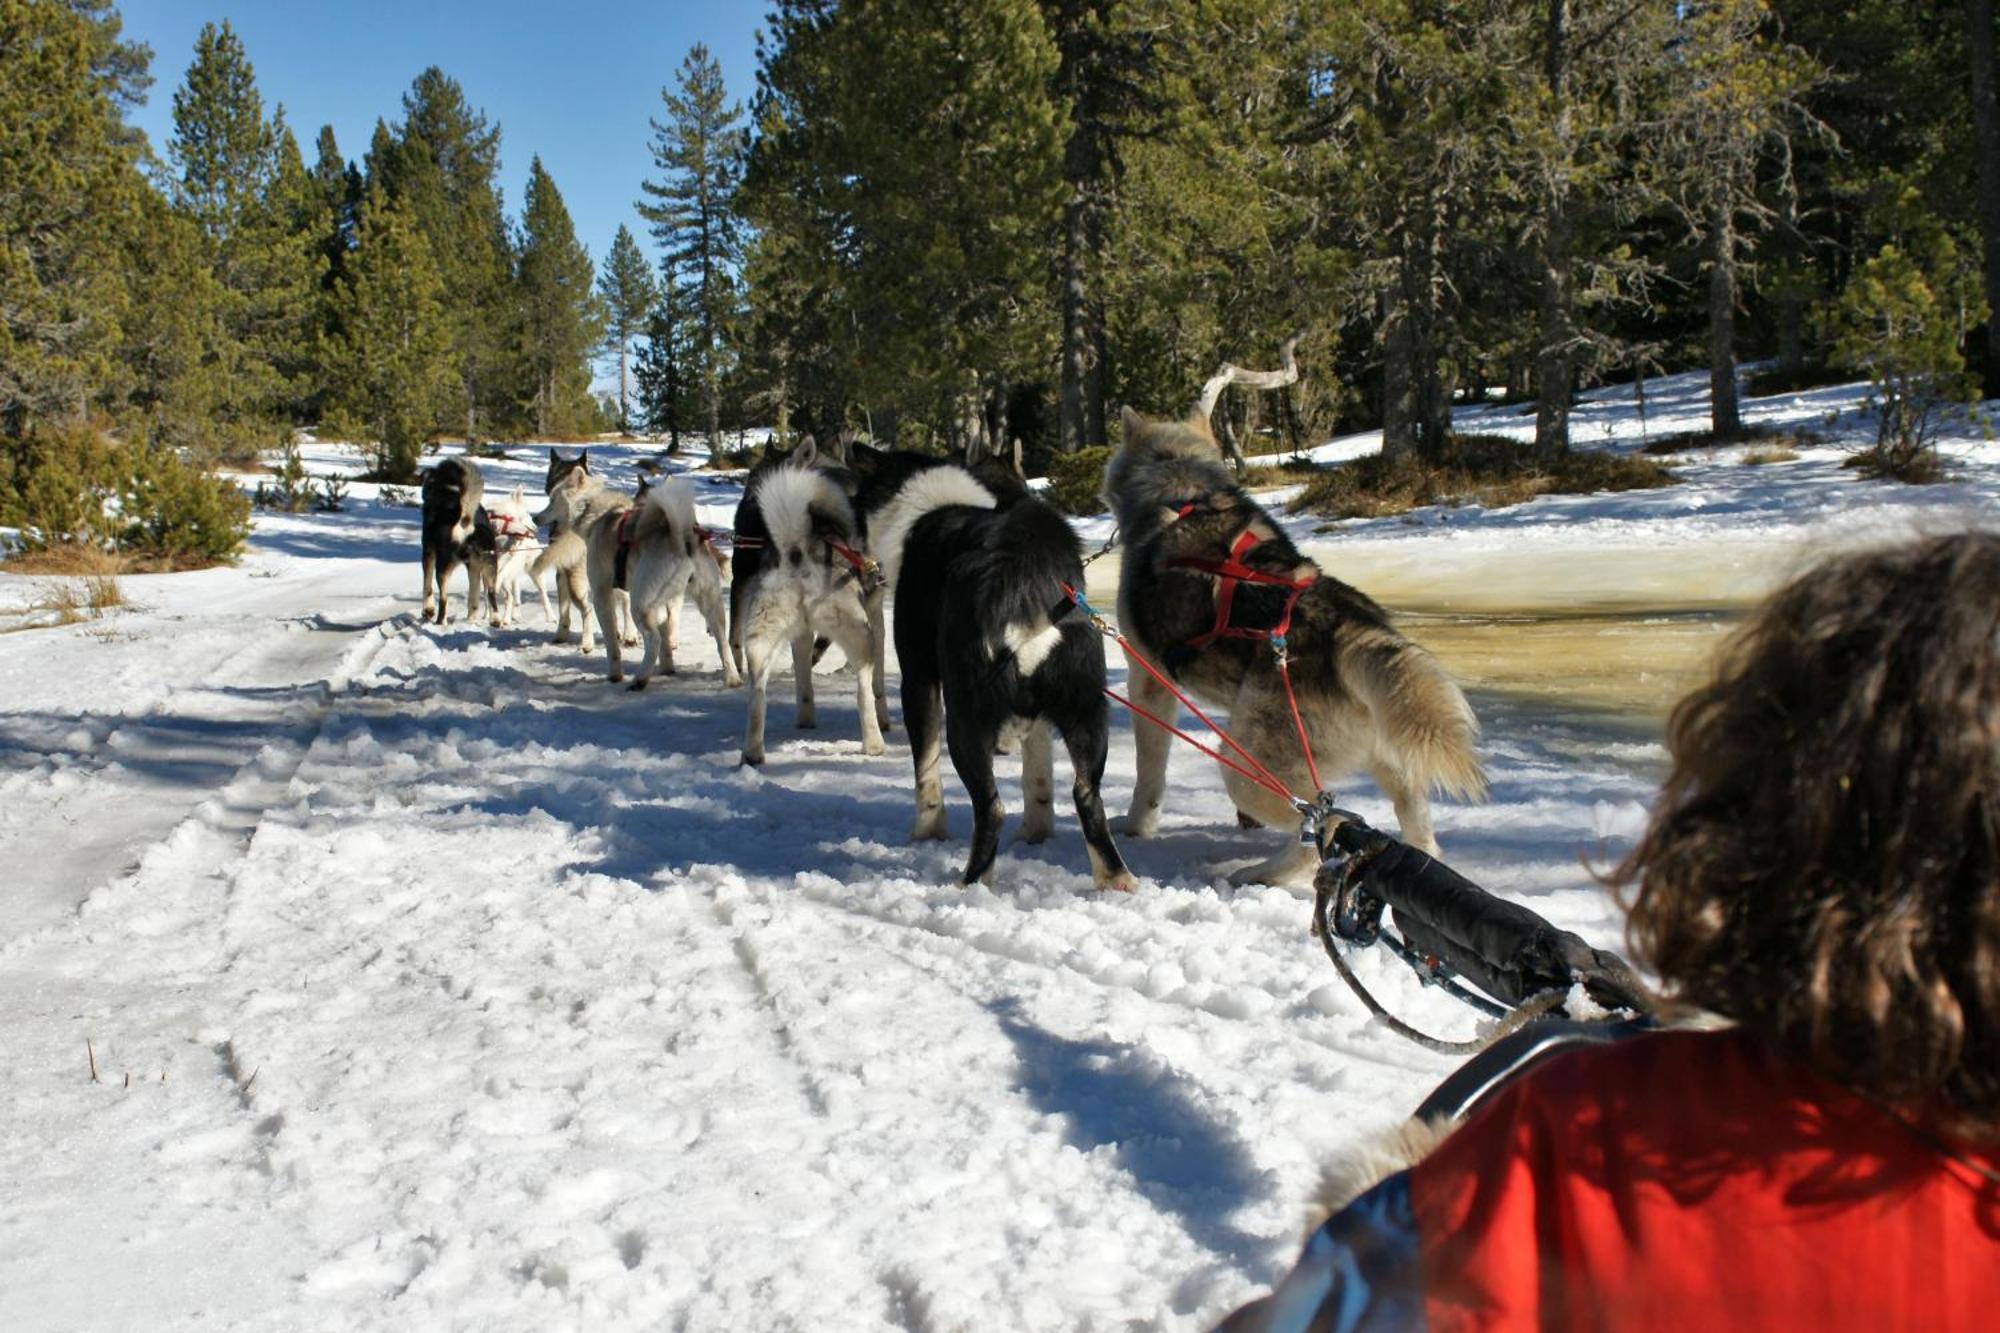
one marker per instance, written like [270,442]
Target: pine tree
[442,163]
[68,198]
[562,321]
[391,363]
[241,181]
[629,294]
[660,369]
[699,151]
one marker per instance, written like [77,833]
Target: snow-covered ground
[432,982]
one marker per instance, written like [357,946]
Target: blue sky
[572,82]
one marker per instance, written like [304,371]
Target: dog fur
[800,588]
[1371,700]
[565,554]
[455,532]
[578,505]
[669,557]
[516,556]
[987,646]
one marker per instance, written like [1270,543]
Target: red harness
[1231,572]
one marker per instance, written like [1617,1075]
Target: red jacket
[1679,1180]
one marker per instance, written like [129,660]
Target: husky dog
[516,547]
[577,505]
[810,580]
[455,533]
[565,555]
[659,552]
[1369,698]
[983,633]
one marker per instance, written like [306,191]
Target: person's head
[1822,866]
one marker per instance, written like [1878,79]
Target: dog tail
[1428,727]
[668,511]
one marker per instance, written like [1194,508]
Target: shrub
[1902,318]
[1076,480]
[1489,470]
[80,488]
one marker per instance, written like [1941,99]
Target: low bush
[1489,470]
[79,489]
[1076,480]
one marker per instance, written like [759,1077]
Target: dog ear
[1131,426]
[583,460]
[520,494]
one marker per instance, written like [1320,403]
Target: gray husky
[566,554]
[1370,699]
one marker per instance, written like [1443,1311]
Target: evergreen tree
[561,319]
[699,151]
[391,362]
[241,181]
[629,294]
[442,163]
[69,190]
[660,369]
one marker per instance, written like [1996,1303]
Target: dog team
[996,646]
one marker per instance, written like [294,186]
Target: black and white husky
[989,646]
[456,531]
[810,580]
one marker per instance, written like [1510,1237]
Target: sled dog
[660,553]
[455,531]
[516,546]
[577,505]
[1370,699]
[809,579]
[988,645]
[565,554]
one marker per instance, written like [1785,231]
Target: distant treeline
[949,220]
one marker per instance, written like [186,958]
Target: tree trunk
[624,415]
[1986,136]
[1724,419]
[1072,424]
[1399,414]
[1554,371]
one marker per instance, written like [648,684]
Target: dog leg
[879,639]
[757,657]
[614,644]
[1413,808]
[1152,744]
[975,770]
[671,635]
[1292,866]
[859,645]
[709,599]
[430,578]
[626,625]
[923,715]
[1038,784]
[1088,740]
[807,716]
[649,664]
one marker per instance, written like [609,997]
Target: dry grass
[67,561]
[1770,437]
[1920,467]
[1488,470]
[66,602]
[1760,457]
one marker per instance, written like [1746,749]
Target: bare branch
[1287,373]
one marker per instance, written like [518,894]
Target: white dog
[811,581]
[578,505]
[516,543]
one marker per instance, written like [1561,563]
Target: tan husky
[1371,700]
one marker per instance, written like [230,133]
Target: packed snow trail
[431,981]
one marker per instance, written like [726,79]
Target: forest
[948,223]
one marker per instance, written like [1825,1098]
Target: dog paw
[732,681]
[615,677]
[1122,882]
[1137,826]
[874,747]
[1036,831]
[805,721]
[638,683]
[752,760]
[929,827]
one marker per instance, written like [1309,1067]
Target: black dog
[986,633]
[457,531]
[752,535]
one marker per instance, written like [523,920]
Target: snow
[431,981]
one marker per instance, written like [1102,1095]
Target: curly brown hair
[1822,865]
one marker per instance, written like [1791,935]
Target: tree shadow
[1183,1162]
